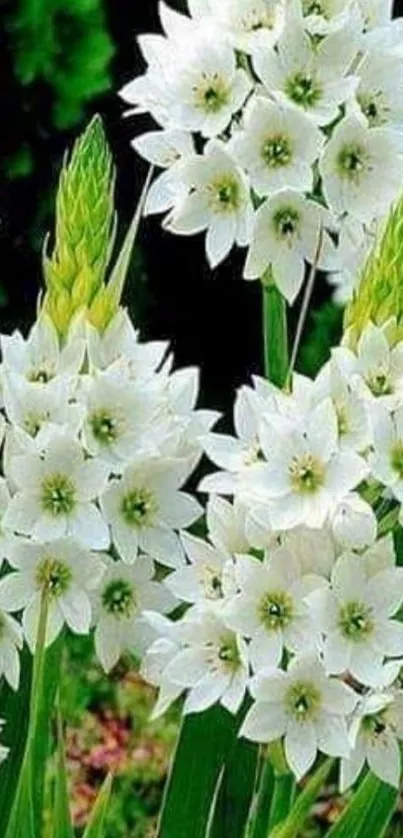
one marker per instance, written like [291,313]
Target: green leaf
[293,824]
[260,815]
[369,812]
[96,823]
[236,790]
[14,711]
[204,744]
[62,827]
[283,795]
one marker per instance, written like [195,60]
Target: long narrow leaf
[260,815]
[283,796]
[62,827]
[295,821]
[369,812]
[235,792]
[14,709]
[203,747]
[95,826]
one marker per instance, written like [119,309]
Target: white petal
[107,643]
[89,527]
[300,747]
[264,723]
[383,757]
[332,735]
[206,693]
[76,609]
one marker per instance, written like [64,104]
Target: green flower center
[40,376]
[379,383]
[104,426]
[277,151]
[304,89]
[212,584]
[313,7]
[33,422]
[138,508]
[396,458]
[303,701]
[228,653]
[58,495]
[286,222]
[211,94]
[372,106]
[355,621]
[374,726]
[224,194]
[307,474]
[276,610]
[352,161]
[119,599]
[53,577]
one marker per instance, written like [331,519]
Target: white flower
[351,410]
[145,507]
[39,408]
[168,150]
[118,606]
[323,16]
[119,344]
[219,203]
[226,525]
[361,169]
[118,413]
[379,366]
[380,74]
[354,615]
[286,235]
[376,728]
[156,659]
[307,473]
[312,77]
[56,493]
[314,550]
[192,82]
[278,146]
[40,358]
[238,456]
[250,23]
[270,608]
[64,572]
[208,88]
[306,707]
[354,524]
[10,644]
[213,666]
[206,579]
[387,460]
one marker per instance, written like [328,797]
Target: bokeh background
[61,61]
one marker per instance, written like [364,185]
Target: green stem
[261,815]
[39,659]
[293,824]
[275,333]
[283,797]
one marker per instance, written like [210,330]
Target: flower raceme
[292,596]
[278,131]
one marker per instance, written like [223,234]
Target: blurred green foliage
[324,330]
[63,47]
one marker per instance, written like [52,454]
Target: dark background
[212,319]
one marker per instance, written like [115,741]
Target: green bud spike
[85,228]
[379,296]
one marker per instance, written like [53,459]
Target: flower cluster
[99,438]
[295,595]
[280,130]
